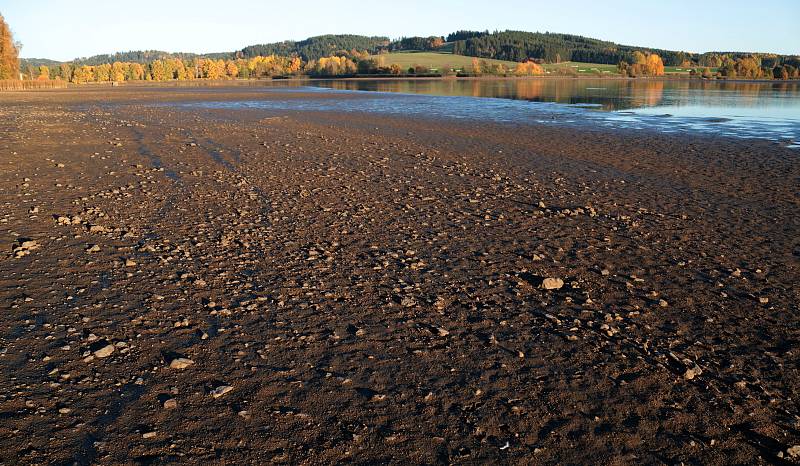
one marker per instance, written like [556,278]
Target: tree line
[173,69]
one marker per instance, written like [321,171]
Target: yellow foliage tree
[102,73]
[44,73]
[158,71]
[476,66]
[231,69]
[118,71]
[654,66]
[83,74]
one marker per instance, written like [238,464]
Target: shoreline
[242,82]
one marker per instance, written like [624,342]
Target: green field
[582,68]
[438,60]
[433,60]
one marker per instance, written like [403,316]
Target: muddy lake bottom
[188,281]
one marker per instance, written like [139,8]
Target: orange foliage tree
[9,55]
[528,69]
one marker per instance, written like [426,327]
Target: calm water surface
[740,109]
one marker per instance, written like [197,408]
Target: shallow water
[739,109]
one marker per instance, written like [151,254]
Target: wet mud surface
[253,287]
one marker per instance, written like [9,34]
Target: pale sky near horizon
[63,30]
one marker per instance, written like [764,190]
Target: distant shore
[44,85]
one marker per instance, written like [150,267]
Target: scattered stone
[692,372]
[105,351]
[552,283]
[149,435]
[763,300]
[24,247]
[408,302]
[794,452]
[221,390]
[93,248]
[130,263]
[180,363]
[171,403]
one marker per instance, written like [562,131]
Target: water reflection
[605,94]
[737,109]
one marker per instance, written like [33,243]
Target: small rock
[794,452]
[692,372]
[149,435]
[93,248]
[552,284]
[408,302]
[130,263]
[105,351]
[220,391]
[763,300]
[172,403]
[180,363]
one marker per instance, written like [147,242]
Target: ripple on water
[738,122]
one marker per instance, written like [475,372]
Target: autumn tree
[102,73]
[642,64]
[476,67]
[134,72]
[118,71]
[44,73]
[158,71]
[231,70]
[9,55]
[528,69]
[83,74]
[65,70]
[653,65]
[748,67]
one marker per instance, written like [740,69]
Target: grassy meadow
[438,60]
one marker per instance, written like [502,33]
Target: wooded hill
[555,48]
[317,47]
[514,46]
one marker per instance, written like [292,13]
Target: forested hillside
[554,48]
[317,47]
[145,56]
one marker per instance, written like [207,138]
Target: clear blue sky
[63,29]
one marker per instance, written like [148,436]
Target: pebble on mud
[220,391]
[552,283]
[180,363]
[24,247]
[105,351]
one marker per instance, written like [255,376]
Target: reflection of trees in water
[608,94]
